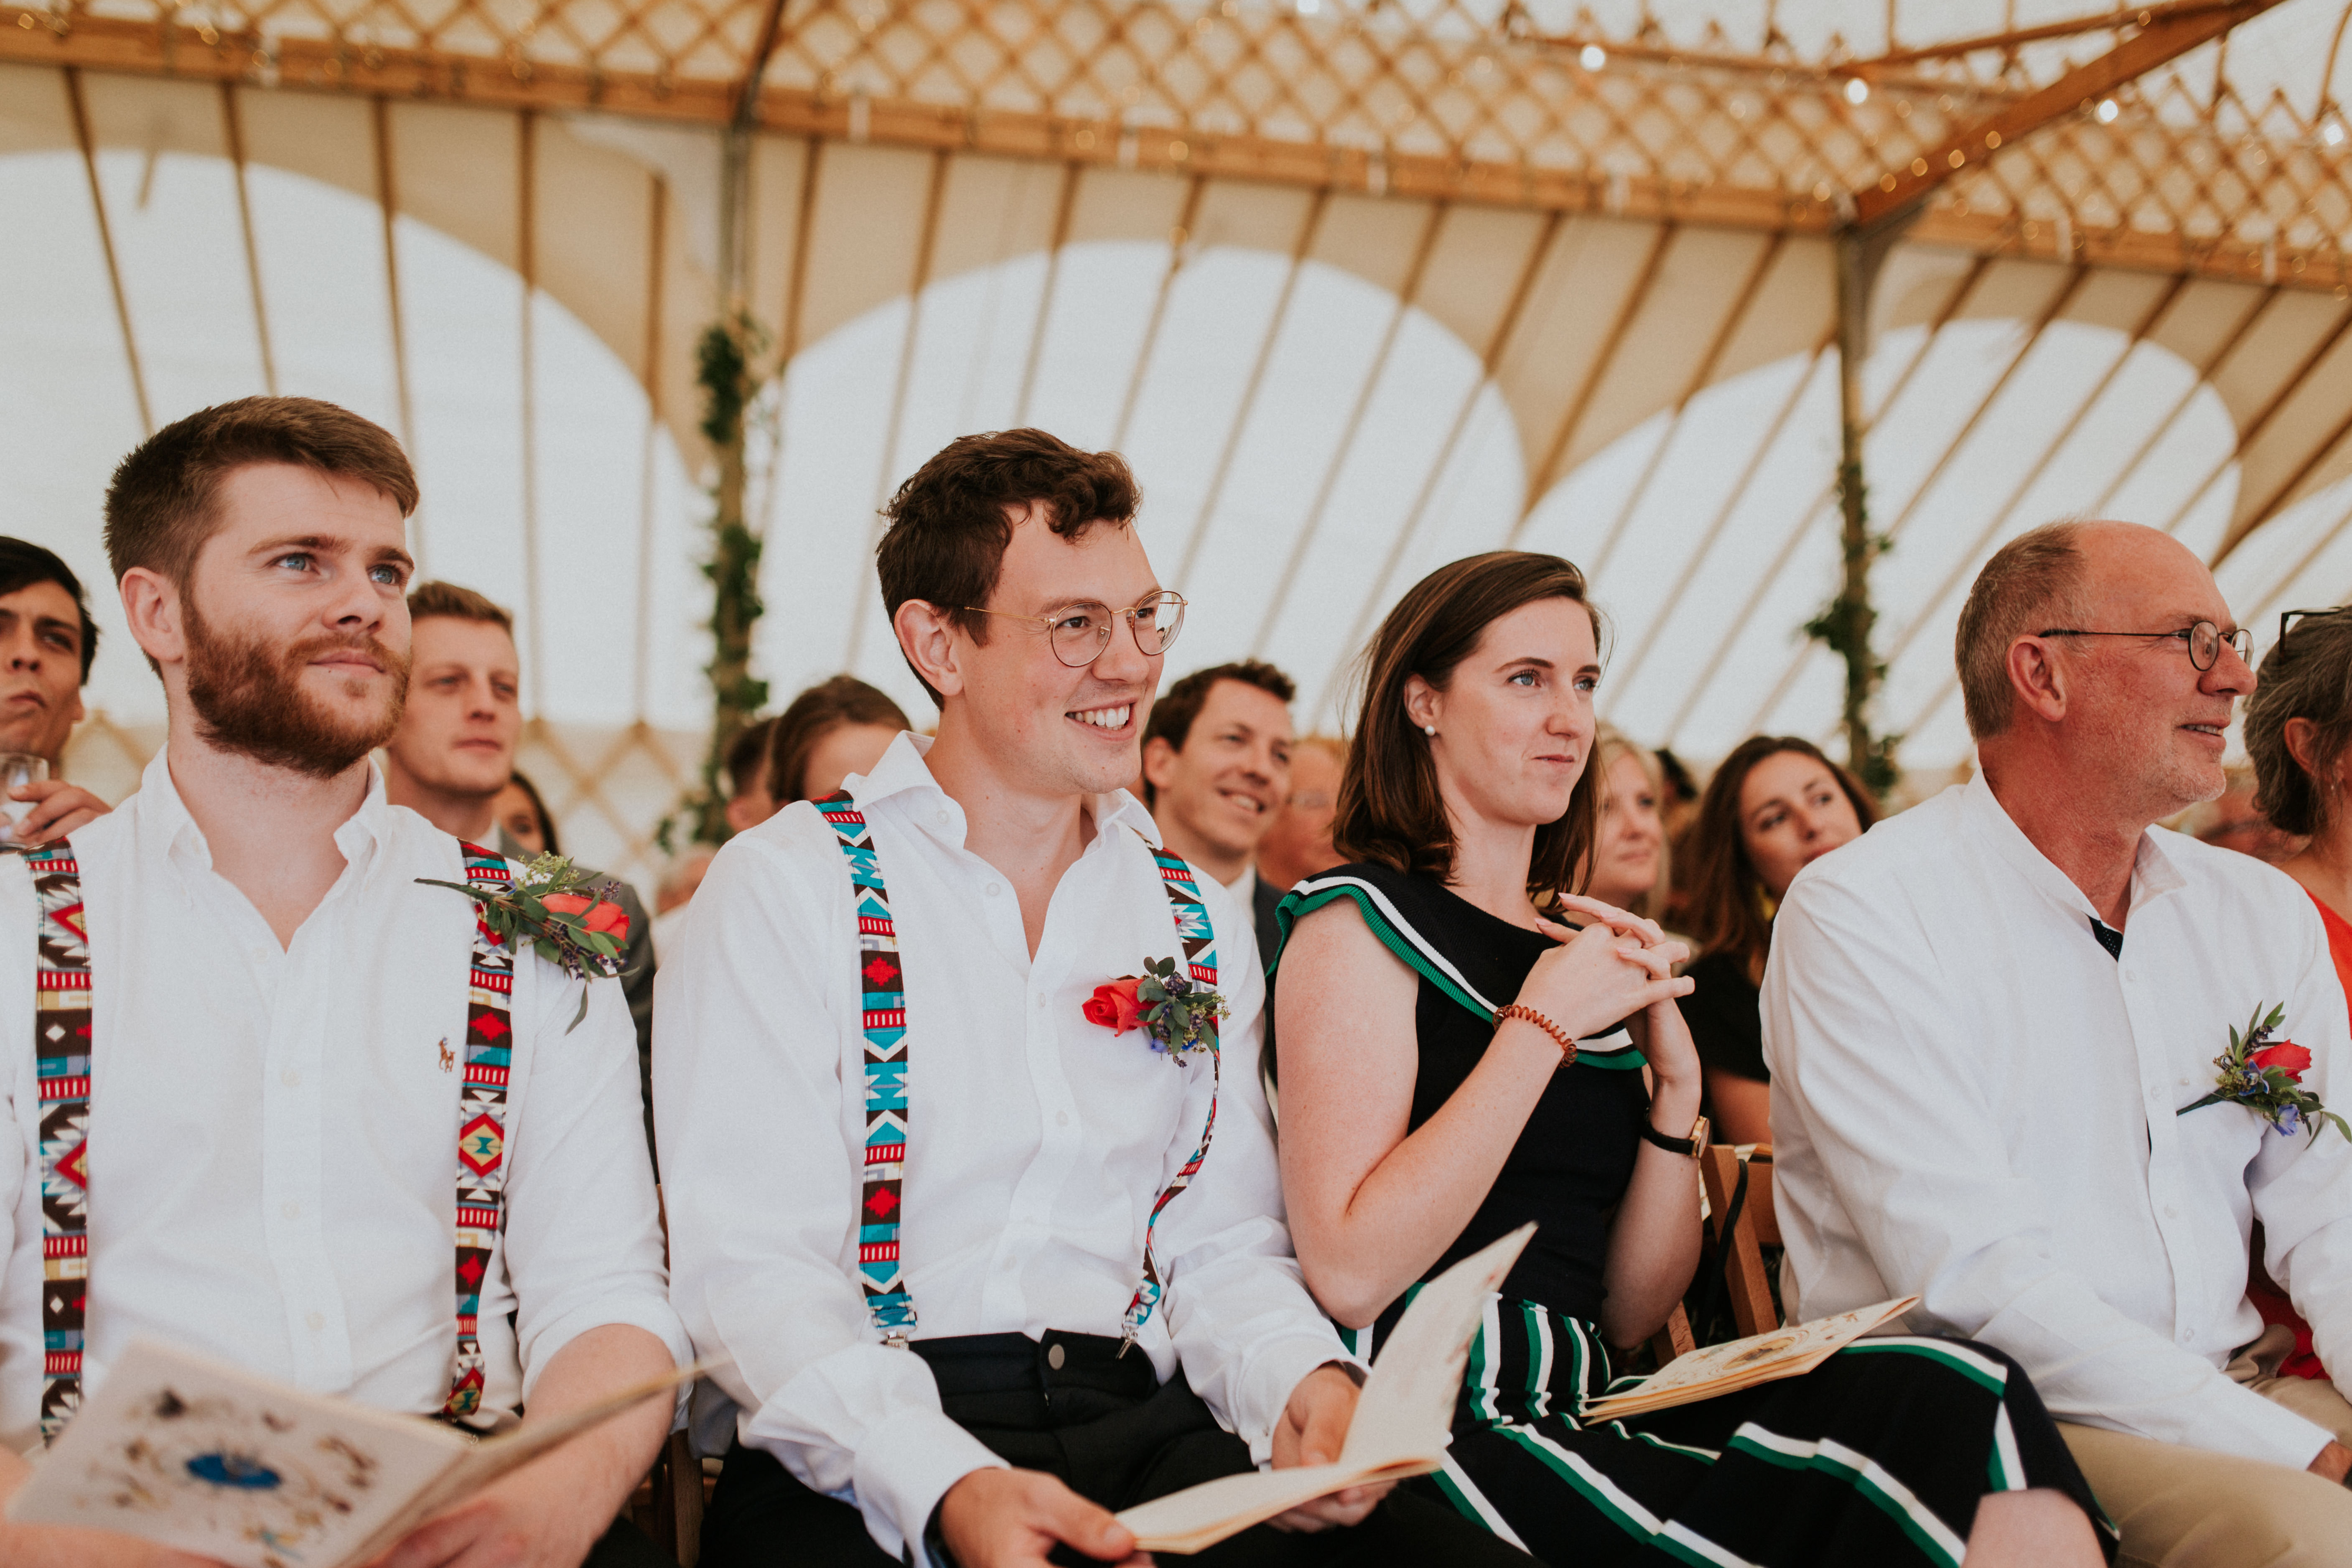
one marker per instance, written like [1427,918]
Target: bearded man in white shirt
[282,1036]
[1993,1023]
[815,1098]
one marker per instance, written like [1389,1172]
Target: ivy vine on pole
[724,359]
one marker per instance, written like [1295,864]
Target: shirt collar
[2154,872]
[1244,888]
[166,830]
[903,773]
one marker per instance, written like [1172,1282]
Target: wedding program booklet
[1743,1364]
[195,1454]
[1402,1423]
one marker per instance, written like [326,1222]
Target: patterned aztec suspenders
[62,1031]
[881,1272]
[481,1125]
[61,1044]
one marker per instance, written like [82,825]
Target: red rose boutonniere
[1176,1013]
[581,933]
[2266,1078]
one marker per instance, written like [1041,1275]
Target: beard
[248,698]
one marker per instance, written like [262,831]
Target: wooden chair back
[1748,1283]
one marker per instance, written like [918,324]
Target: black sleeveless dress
[1878,1456]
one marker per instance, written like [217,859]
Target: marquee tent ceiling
[1360,288]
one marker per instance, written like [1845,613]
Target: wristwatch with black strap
[1689,1146]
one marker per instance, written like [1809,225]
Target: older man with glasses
[2044,1064]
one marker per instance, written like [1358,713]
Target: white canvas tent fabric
[1327,385]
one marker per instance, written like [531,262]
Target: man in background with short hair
[455,752]
[49,642]
[1216,769]
[1300,845]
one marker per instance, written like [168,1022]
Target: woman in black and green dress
[1424,1000]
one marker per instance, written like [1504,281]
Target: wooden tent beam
[2166,36]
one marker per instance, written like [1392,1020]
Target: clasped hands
[1011,1518]
[1619,967]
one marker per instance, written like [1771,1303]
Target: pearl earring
[1430,731]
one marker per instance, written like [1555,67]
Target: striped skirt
[1877,1457]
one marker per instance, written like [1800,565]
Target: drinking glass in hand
[19,768]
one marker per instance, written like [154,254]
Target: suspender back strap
[61,1042]
[481,1126]
[882,1004]
[62,1039]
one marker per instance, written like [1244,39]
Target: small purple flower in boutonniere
[551,907]
[1175,1012]
[2266,1078]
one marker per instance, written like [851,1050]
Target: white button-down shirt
[1035,1142]
[273,1133]
[1973,1101]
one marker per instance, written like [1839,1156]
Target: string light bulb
[1857,92]
[2107,111]
[1593,57]
[2332,133]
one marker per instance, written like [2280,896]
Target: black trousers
[626,1546]
[1071,1407]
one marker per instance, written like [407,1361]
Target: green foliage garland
[1844,628]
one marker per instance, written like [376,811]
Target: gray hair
[2308,676]
[2030,582]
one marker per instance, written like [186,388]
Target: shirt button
[1041,1001]
[944,819]
[290,1210]
[2170,1212]
[317,1321]
[289,1078]
[994,889]
[1054,1356]
[1009,1264]
[1061,1119]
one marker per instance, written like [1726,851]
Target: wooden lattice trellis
[1497,103]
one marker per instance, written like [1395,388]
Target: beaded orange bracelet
[1560,1036]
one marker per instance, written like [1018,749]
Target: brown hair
[1174,712]
[1391,812]
[1727,908]
[2030,582]
[521,781]
[163,502]
[747,753]
[815,714]
[949,529]
[446,600]
[2308,675]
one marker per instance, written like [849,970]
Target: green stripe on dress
[1931,1534]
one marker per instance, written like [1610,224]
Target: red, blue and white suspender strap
[61,1042]
[481,1126]
[882,1004]
[62,1030]
[1198,937]
[883,1015]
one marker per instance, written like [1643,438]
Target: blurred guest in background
[1299,845]
[834,729]
[49,642]
[1629,852]
[749,801]
[454,754]
[1775,805]
[1216,768]
[523,817]
[2235,821]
